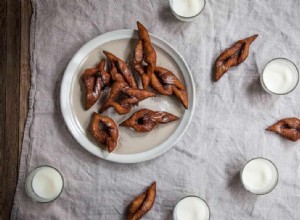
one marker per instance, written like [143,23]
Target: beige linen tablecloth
[227,129]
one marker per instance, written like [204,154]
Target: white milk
[187,8]
[259,176]
[191,208]
[47,183]
[280,76]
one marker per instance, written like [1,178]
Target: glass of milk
[280,76]
[259,176]
[44,184]
[186,10]
[191,208]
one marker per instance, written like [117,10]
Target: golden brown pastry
[104,130]
[138,57]
[145,120]
[142,204]
[166,83]
[94,80]
[233,56]
[162,80]
[144,51]
[122,97]
[288,128]
[119,68]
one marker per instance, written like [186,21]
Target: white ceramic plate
[132,147]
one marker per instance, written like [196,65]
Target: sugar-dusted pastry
[142,204]
[94,80]
[138,57]
[288,128]
[145,120]
[104,130]
[119,68]
[232,56]
[144,51]
[122,97]
[166,83]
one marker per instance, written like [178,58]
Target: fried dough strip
[144,51]
[145,120]
[94,80]
[233,56]
[288,128]
[133,96]
[115,91]
[142,204]
[136,203]
[138,58]
[118,66]
[108,134]
[166,83]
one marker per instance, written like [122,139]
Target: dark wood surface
[14,86]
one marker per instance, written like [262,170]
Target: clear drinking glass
[275,177]
[184,18]
[44,182]
[286,61]
[191,196]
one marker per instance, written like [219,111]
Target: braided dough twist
[145,120]
[233,56]
[142,204]
[288,128]
[120,71]
[144,51]
[166,83]
[123,104]
[94,80]
[108,134]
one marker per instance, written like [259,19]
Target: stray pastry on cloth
[144,51]
[232,56]
[104,130]
[122,97]
[94,80]
[145,120]
[142,204]
[120,69]
[166,83]
[288,128]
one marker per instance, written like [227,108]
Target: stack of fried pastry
[124,92]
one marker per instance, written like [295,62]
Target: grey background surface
[227,129]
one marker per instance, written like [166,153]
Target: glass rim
[263,83]
[187,197]
[52,199]
[187,17]
[277,176]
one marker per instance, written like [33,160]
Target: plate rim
[72,66]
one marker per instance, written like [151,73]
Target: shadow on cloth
[168,19]
[258,96]
[237,190]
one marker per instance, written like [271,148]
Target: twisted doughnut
[166,83]
[145,120]
[144,51]
[288,128]
[94,80]
[119,70]
[123,104]
[233,56]
[142,204]
[107,134]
